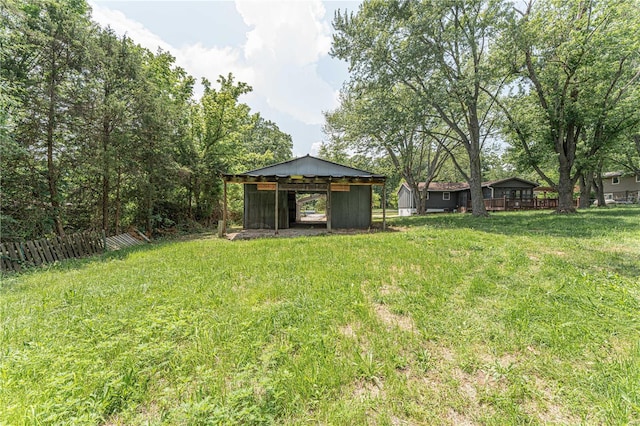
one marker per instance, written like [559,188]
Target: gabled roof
[461,186]
[309,166]
[497,181]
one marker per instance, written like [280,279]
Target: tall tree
[439,50]
[374,123]
[45,61]
[116,70]
[578,68]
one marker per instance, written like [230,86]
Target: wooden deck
[512,204]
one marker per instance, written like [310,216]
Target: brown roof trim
[462,186]
[305,179]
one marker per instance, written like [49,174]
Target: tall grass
[520,318]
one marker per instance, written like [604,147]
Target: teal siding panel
[259,208]
[351,209]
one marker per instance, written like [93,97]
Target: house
[621,187]
[502,194]
[272,194]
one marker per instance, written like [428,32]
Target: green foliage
[524,317]
[100,133]
[434,56]
[576,89]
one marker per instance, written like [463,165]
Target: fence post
[104,240]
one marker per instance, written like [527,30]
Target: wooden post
[328,207]
[276,227]
[384,206]
[371,206]
[224,209]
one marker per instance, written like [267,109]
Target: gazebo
[270,193]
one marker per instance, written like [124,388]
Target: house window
[427,197]
[608,196]
[615,180]
[446,196]
[637,178]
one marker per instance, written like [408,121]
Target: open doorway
[307,208]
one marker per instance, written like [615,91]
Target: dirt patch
[365,389]
[546,408]
[387,290]
[348,331]
[393,320]
[459,419]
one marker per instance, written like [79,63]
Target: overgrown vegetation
[524,317]
[99,133]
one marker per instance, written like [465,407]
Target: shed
[349,193]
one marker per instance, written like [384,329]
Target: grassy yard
[524,317]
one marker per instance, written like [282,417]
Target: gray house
[621,187]
[456,196]
[348,193]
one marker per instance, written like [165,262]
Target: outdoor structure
[503,194]
[347,191]
[621,188]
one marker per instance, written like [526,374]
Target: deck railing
[509,204]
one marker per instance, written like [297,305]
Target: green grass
[525,317]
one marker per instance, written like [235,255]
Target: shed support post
[328,207]
[371,206]
[276,227]
[224,210]
[384,206]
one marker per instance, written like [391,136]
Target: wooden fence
[16,256]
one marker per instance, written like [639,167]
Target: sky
[280,48]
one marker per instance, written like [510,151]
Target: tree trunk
[565,188]
[105,176]
[118,202]
[586,180]
[475,184]
[597,182]
[190,197]
[52,178]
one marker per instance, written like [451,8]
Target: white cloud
[315,148]
[123,25]
[278,59]
[283,47]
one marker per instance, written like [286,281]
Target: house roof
[612,174]
[309,169]
[461,186]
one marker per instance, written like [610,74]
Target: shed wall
[405,198]
[351,209]
[259,208]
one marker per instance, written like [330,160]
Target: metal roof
[309,166]
[306,169]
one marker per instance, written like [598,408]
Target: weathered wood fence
[16,256]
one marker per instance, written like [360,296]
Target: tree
[438,50]
[578,74]
[116,67]
[44,64]
[375,123]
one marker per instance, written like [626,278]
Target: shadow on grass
[584,224]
